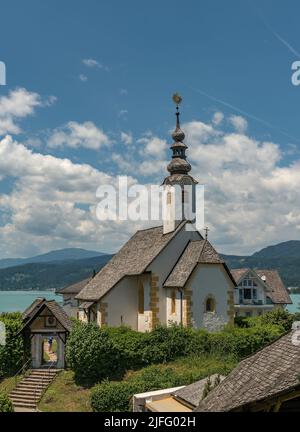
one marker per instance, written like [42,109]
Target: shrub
[5,403]
[113,396]
[12,353]
[91,353]
[279,317]
[130,345]
[167,343]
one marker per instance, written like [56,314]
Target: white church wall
[122,303]
[209,280]
[165,262]
[173,317]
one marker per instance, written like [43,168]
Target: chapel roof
[131,260]
[266,374]
[39,304]
[196,252]
[74,288]
[277,291]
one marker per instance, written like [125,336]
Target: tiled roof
[269,372]
[277,291]
[199,251]
[193,394]
[33,310]
[74,288]
[132,259]
[59,314]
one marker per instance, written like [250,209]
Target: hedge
[91,353]
[12,353]
[95,354]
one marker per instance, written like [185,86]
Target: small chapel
[166,274]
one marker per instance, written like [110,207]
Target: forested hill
[49,275]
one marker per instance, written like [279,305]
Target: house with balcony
[258,292]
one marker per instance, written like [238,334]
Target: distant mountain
[57,269]
[57,255]
[50,275]
[285,257]
[289,249]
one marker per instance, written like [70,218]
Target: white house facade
[258,292]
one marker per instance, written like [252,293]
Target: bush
[95,353]
[279,317]
[91,353]
[130,345]
[113,396]
[5,404]
[164,344]
[12,353]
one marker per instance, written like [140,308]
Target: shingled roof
[39,304]
[74,288]
[196,252]
[277,291]
[268,373]
[193,393]
[132,259]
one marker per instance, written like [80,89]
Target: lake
[12,301]
[296,303]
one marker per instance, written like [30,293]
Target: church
[163,275]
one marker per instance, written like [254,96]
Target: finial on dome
[177,135]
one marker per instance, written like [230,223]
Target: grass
[8,384]
[64,395]
[192,368]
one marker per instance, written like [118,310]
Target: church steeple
[179,186]
[179,167]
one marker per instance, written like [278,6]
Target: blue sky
[115,65]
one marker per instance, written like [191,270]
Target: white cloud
[83,77]
[251,196]
[52,203]
[218,117]
[92,63]
[76,135]
[19,104]
[239,123]
[153,146]
[126,138]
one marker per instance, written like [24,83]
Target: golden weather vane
[177,99]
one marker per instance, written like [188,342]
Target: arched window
[210,305]
[173,302]
[141,298]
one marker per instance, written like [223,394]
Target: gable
[196,252]
[46,321]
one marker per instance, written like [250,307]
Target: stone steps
[30,389]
